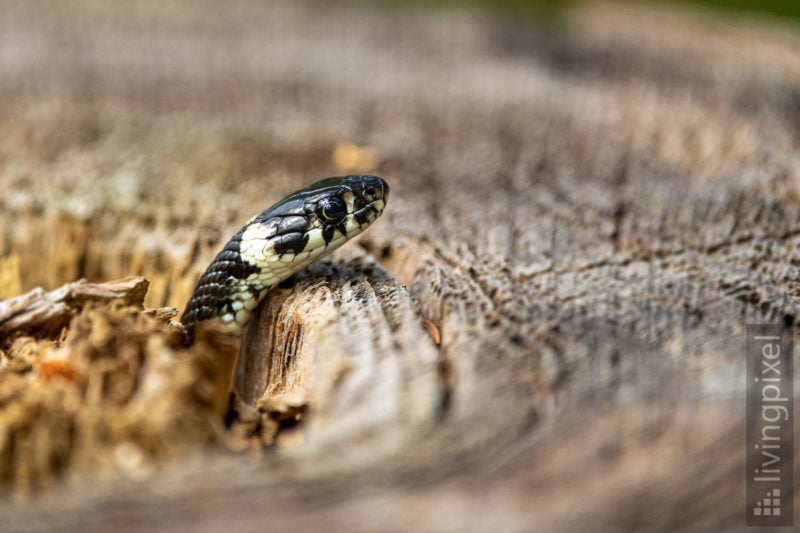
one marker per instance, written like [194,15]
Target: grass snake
[290,235]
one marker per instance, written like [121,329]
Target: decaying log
[44,313]
[347,342]
[543,332]
[90,384]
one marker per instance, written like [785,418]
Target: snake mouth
[370,212]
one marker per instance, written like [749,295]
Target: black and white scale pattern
[288,236]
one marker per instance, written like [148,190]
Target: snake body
[275,244]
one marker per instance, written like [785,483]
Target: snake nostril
[384,187]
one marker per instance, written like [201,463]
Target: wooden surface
[586,211]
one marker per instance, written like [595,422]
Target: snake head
[324,214]
[342,207]
[272,246]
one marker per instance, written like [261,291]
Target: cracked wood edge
[348,340]
[38,311]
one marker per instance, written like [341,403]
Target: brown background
[588,209]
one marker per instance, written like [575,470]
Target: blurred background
[779,8]
[148,131]
[604,191]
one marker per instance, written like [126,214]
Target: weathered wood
[585,211]
[348,341]
[92,385]
[45,313]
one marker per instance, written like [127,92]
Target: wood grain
[587,211]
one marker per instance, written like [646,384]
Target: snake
[274,245]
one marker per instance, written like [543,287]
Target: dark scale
[327,233]
[213,290]
[292,224]
[361,215]
[291,242]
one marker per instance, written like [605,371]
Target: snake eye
[331,209]
[370,193]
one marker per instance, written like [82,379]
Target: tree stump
[545,331]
